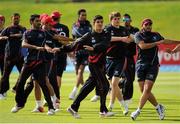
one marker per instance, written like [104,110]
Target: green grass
[166,89]
[164,14]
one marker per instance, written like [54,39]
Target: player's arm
[62,39]
[176,49]
[168,41]
[144,45]
[2,38]
[48,48]
[126,39]
[25,44]
[16,35]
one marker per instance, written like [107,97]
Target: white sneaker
[161,111]
[73,113]
[106,114]
[134,115]
[51,112]
[15,109]
[2,97]
[72,95]
[38,109]
[95,98]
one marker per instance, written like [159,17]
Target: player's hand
[89,48]
[54,50]
[3,37]
[40,48]
[168,50]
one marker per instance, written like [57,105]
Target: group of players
[40,55]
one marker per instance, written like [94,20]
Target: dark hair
[80,11]
[114,14]
[33,17]
[16,14]
[97,17]
[127,15]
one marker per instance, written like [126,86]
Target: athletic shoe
[45,103]
[2,97]
[95,98]
[51,112]
[72,95]
[15,109]
[57,107]
[106,114]
[161,111]
[73,113]
[38,109]
[134,115]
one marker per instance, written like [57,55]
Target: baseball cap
[42,16]
[47,19]
[147,21]
[55,14]
[2,18]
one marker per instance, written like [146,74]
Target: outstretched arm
[176,49]
[27,45]
[168,41]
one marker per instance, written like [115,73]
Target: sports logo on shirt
[112,33]
[40,35]
[93,40]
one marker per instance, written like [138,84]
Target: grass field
[166,90]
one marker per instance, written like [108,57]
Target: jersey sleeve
[102,46]
[137,38]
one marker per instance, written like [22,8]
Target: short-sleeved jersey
[2,45]
[50,42]
[99,41]
[131,47]
[80,28]
[149,56]
[13,44]
[117,49]
[37,38]
[61,30]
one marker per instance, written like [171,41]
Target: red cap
[2,18]
[146,21]
[47,19]
[56,14]
[42,16]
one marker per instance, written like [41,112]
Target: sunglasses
[126,19]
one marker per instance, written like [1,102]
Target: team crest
[93,40]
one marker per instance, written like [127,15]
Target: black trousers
[1,63]
[52,75]
[97,79]
[38,69]
[127,82]
[9,63]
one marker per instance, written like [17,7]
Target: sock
[75,89]
[111,105]
[157,106]
[53,98]
[39,103]
[122,103]
[138,109]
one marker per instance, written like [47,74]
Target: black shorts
[146,71]
[115,67]
[81,58]
[61,63]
